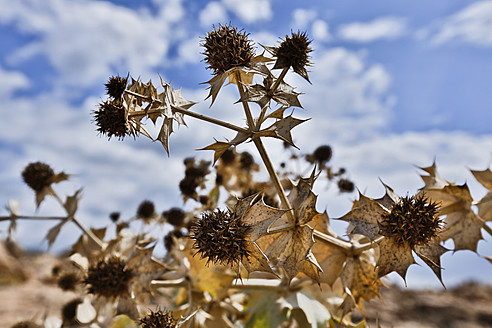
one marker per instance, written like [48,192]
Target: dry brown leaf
[464,227]
[484,177]
[364,217]
[281,129]
[431,255]
[213,279]
[394,257]
[289,248]
[219,148]
[260,217]
[360,276]
[145,269]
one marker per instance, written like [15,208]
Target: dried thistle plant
[261,261]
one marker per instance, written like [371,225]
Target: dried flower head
[322,154]
[69,312]
[26,324]
[114,216]
[174,216]
[220,237]
[38,175]
[169,240]
[116,86]
[109,278]
[412,221]
[294,52]
[68,281]
[228,156]
[158,319]
[111,120]
[345,185]
[146,210]
[226,48]
[247,161]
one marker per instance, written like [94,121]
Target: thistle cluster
[158,319]
[412,221]
[38,175]
[109,278]
[227,47]
[111,120]
[293,52]
[220,237]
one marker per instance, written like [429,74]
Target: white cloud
[320,30]
[87,40]
[11,81]
[384,28]
[213,13]
[301,18]
[352,93]
[250,11]
[471,24]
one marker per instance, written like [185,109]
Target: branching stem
[183,111]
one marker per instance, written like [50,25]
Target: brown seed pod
[109,278]
[293,52]
[322,154]
[412,221]
[174,216]
[345,185]
[158,319]
[38,175]
[146,210]
[115,86]
[220,237]
[226,48]
[111,120]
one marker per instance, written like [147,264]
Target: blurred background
[394,86]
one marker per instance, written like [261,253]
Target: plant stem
[272,91]
[182,282]
[87,232]
[27,217]
[182,111]
[264,155]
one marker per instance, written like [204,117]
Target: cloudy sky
[394,86]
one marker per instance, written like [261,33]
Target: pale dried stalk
[28,217]
[264,155]
[87,232]
[185,112]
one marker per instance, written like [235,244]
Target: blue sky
[394,85]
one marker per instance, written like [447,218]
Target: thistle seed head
[116,86]
[412,221]
[220,237]
[109,278]
[169,241]
[294,52]
[146,210]
[322,154]
[38,175]
[246,160]
[111,120]
[174,216]
[158,319]
[114,216]
[345,185]
[226,47]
